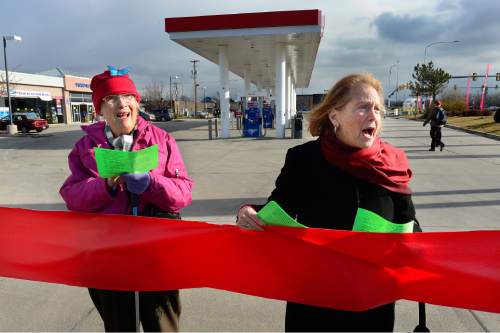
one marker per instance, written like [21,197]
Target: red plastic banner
[339,269]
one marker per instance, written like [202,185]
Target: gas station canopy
[251,40]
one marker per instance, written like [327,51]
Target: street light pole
[12,129]
[389,92]
[425,53]
[429,45]
[204,99]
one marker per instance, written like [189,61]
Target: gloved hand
[137,183]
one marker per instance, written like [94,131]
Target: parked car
[162,114]
[147,116]
[25,122]
[202,114]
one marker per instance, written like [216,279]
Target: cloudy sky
[360,36]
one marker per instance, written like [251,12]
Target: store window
[43,109]
[81,98]
[81,107]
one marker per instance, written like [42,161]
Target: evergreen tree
[428,81]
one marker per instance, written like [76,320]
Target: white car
[147,116]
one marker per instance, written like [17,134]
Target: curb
[486,135]
[466,130]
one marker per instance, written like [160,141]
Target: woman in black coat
[324,182]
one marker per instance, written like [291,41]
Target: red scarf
[380,164]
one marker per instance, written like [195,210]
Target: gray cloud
[474,23]
[408,29]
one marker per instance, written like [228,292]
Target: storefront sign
[43,95]
[58,107]
[82,85]
[77,84]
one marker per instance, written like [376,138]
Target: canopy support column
[288,94]
[280,91]
[246,78]
[224,91]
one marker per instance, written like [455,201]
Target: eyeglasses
[114,99]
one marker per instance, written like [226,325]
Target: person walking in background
[438,118]
[324,184]
[161,192]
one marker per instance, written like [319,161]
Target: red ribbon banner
[339,269]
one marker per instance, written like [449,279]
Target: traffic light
[498,77]
[474,76]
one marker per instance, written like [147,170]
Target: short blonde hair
[337,98]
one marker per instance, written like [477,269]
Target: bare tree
[3,82]
[154,95]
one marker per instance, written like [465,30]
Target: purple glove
[137,183]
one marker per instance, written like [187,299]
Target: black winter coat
[320,195]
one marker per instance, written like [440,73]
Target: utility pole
[171,103]
[172,99]
[397,83]
[194,72]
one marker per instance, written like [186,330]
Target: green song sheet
[368,221]
[112,163]
[273,214]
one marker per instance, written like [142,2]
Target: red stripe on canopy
[244,20]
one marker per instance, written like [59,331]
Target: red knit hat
[106,84]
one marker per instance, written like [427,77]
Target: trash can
[297,127]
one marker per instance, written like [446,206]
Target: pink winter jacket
[84,191]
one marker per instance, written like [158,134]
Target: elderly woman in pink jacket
[163,191]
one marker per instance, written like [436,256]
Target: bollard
[209,129]
[216,130]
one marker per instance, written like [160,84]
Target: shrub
[454,105]
[476,112]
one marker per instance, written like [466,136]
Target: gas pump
[267,114]
[252,120]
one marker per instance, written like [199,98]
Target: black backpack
[441,117]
